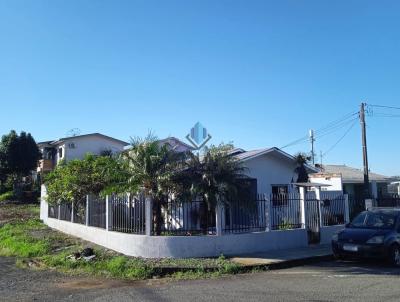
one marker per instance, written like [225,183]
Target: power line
[340,139]
[383,106]
[327,129]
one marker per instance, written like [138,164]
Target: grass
[34,244]
[6,196]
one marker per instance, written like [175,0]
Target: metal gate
[312,219]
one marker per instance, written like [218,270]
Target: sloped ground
[36,246]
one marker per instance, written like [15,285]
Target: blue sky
[258,73]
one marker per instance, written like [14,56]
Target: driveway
[325,281]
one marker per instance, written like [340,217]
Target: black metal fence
[80,212]
[65,211]
[97,211]
[53,211]
[127,214]
[332,208]
[186,219]
[244,217]
[285,211]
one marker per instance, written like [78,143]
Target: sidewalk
[285,258]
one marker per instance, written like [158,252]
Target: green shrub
[7,196]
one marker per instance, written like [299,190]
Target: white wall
[335,182]
[90,144]
[271,169]
[184,246]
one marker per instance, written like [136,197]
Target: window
[280,189]
[279,195]
[60,152]
[71,146]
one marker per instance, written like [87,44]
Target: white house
[75,147]
[272,169]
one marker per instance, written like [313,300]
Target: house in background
[75,147]
[351,180]
[176,144]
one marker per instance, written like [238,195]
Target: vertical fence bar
[318,198]
[107,213]
[149,215]
[268,214]
[59,211]
[302,191]
[72,211]
[218,218]
[346,209]
[87,211]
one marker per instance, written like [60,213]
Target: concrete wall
[269,170]
[184,246]
[328,231]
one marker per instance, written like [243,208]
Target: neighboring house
[394,188]
[351,180]
[75,147]
[272,169]
[176,144]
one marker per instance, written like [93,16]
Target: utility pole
[321,155]
[364,150]
[312,140]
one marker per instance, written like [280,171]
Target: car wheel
[395,255]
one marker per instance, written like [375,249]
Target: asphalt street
[324,281]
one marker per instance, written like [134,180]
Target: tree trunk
[157,217]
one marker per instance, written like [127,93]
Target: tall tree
[301,161]
[152,167]
[18,155]
[215,176]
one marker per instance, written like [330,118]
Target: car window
[376,220]
[359,221]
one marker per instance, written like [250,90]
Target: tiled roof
[350,174]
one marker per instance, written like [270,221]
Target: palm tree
[151,168]
[301,160]
[215,176]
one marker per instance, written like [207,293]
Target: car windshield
[374,220]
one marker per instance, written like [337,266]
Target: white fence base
[184,246]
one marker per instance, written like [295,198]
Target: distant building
[351,180]
[75,147]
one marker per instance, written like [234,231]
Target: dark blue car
[372,234]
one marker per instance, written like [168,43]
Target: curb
[289,263]
[164,271]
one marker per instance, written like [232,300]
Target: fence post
[219,218]
[268,214]
[318,197]
[87,211]
[302,191]
[346,209]
[44,206]
[72,211]
[107,214]
[59,210]
[149,215]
